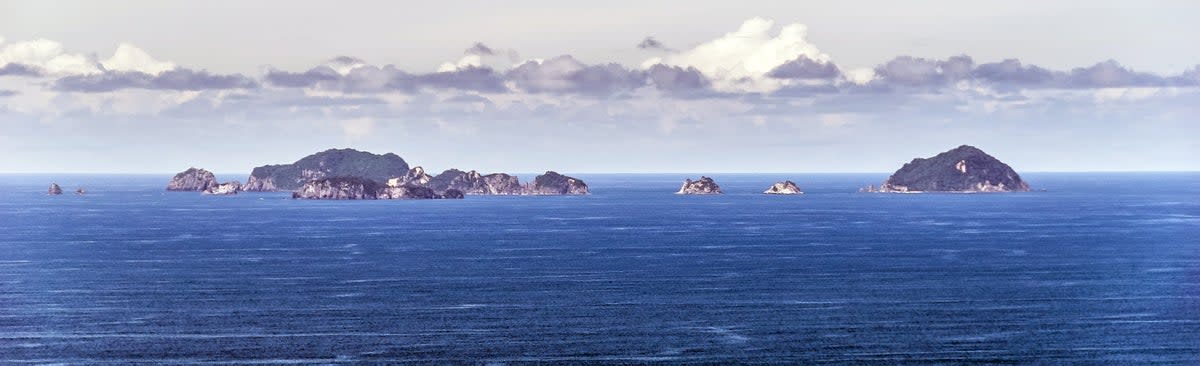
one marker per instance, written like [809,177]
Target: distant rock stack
[54,189]
[705,185]
[224,188]
[192,180]
[80,191]
[962,169]
[785,187]
[552,183]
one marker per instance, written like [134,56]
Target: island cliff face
[472,183]
[963,169]
[705,185]
[192,180]
[552,183]
[357,188]
[785,187]
[415,176]
[224,188]
[326,164]
[54,189]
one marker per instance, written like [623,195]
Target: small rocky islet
[702,186]
[786,187]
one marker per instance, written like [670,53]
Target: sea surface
[1098,268]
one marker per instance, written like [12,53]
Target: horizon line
[642,172]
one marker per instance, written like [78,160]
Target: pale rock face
[705,185]
[785,187]
[417,176]
[260,184]
[224,188]
[54,189]
[354,188]
[192,180]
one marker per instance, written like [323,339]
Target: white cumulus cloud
[49,56]
[127,57]
[740,60]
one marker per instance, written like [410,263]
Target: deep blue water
[1099,268]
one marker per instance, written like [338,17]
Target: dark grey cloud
[371,79]
[908,71]
[177,79]
[1189,77]
[480,49]
[15,69]
[677,79]
[1109,74]
[1012,72]
[805,68]
[302,79]
[481,79]
[650,43]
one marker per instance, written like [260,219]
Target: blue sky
[628,87]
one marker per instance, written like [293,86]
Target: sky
[618,86]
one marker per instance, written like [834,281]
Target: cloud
[302,79]
[8,93]
[565,74]
[480,49]
[15,69]
[132,59]
[1012,72]
[650,43]
[908,71]
[805,68]
[49,56]
[177,79]
[481,79]
[677,79]
[356,128]
[739,61]
[1110,74]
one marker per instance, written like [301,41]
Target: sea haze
[1099,267]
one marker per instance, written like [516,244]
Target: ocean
[1098,268]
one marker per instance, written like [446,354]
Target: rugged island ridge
[962,169]
[326,164]
[192,179]
[785,187]
[705,185]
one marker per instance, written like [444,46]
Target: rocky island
[201,180]
[192,179]
[552,183]
[330,163]
[54,189]
[705,185]
[962,169]
[785,187]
